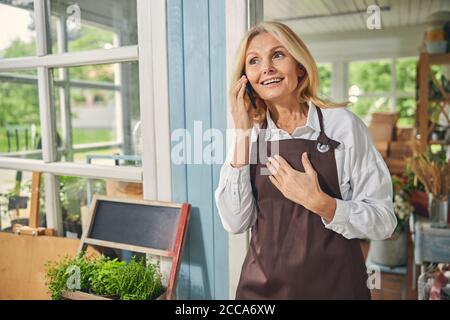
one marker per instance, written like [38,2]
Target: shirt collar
[312,121]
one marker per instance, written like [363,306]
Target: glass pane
[406,74]
[103,125]
[407,109]
[370,76]
[100,24]
[75,195]
[18,35]
[325,79]
[364,106]
[19,115]
[15,193]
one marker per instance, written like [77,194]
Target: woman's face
[266,59]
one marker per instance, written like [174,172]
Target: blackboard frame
[175,253]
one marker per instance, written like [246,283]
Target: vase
[438,210]
[390,252]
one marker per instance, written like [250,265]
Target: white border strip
[71,59]
[131,174]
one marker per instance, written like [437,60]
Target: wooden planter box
[80,295]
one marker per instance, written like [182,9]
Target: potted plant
[70,273]
[113,279]
[139,281]
[393,251]
[105,279]
[433,170]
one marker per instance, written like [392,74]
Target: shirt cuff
[341,217]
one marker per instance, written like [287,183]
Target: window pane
[17,36]
[406,74]
[15,193]
[104,118]
[75,195]
[364,106]
[371,76]
[19,115]
[325,79]
[100,24]
[407,109]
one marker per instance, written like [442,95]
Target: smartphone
[249,91]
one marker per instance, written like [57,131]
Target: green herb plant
[139,281]
[105,278]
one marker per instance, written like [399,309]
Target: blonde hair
[307,87]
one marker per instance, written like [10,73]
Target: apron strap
[323,138]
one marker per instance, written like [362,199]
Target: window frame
[155,170]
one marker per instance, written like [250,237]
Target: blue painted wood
[196,40]
[177,120]
[198,118]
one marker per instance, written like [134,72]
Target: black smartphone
[249,91]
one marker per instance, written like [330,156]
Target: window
[98,116]
[15,199]
[89,25]
[383,85]
[75,115]
[324,79]
[19,115]
[18,35]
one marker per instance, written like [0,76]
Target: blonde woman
[325,187]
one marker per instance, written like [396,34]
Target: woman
[326,186]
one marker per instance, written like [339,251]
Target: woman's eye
[252,61]
[278,54]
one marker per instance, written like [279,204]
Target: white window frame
[155,170]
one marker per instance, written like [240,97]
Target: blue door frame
[197,92]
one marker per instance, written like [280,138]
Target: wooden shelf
[423,73]
[439,58]
[442,142]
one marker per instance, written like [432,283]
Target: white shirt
[366,208]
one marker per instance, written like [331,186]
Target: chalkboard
[135,224]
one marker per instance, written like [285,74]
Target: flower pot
[390,252]
[419,200]
[438,212]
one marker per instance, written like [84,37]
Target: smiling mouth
[271,82]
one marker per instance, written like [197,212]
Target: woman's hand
[239,112]
[301,187]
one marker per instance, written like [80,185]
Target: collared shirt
[366,209]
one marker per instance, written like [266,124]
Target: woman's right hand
[239,112]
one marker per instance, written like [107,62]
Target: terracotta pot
[419,200]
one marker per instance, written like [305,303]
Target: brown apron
[292,255]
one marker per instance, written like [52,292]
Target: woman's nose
[268,68]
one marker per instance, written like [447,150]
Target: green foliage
[140,282]
[371,76]
[105,279]
[58,273]
[325,79]
[19,103]
[103,276]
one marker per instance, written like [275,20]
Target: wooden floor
[391,284]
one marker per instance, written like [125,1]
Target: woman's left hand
[301,187]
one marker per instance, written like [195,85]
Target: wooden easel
[33,228]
